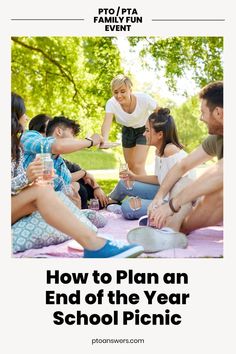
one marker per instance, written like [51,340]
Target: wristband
[172,206]
[91,142]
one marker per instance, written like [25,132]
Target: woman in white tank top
[160,131]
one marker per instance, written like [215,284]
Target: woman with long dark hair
[161,132]
[28,196]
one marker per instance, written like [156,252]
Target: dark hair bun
[164,111]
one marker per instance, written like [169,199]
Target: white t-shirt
[145,105]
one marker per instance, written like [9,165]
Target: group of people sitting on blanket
[174,200]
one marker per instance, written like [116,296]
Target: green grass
[107,184]
[95,159]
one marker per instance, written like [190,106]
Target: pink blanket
[206,242]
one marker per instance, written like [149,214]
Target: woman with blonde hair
[131,110]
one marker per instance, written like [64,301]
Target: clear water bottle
[48,169]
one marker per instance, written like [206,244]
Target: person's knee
[76,186]
[213,201]
[125,209]
[129,208]
[127,212]
[207,212]
[40,193]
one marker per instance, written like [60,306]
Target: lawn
[98,159]
[107,184]
[95,159]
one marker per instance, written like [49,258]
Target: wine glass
[94,204]
[124,170]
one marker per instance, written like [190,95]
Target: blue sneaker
[115,249]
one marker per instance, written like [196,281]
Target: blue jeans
[145,191]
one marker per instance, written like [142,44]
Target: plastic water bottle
[48,169]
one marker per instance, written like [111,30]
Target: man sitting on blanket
[88,186]
[205,193]
[61,133]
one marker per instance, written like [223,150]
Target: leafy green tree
[201,56]
[190,130]
[71,75]
[65,76]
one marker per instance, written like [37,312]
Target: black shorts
[133,136]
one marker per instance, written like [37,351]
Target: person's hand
[154,205]
[34,170]
[127,175]
[104,145]
[108,145]
[159,215]
[101,196]
[97,139]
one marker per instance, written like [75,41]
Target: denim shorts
[133,136]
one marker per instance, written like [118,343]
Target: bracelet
[95,188]
[91,142]
[172,206]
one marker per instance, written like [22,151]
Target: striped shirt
[34,143]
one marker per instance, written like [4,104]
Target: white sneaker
[156,240]
[114,208]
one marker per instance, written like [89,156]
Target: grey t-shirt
[213,146]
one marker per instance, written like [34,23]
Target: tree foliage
[65,75]
[190,130]
[71,75]
[201,56]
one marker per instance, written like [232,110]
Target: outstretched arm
[34,144]
[67,145]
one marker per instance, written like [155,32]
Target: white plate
[109,145]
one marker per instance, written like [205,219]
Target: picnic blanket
[205,242]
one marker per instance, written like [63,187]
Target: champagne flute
[124,169]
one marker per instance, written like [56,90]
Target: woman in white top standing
[130,110]
[160,132]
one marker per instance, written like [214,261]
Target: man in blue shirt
[61,133]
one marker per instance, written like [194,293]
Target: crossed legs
[208,211]
[55,213]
